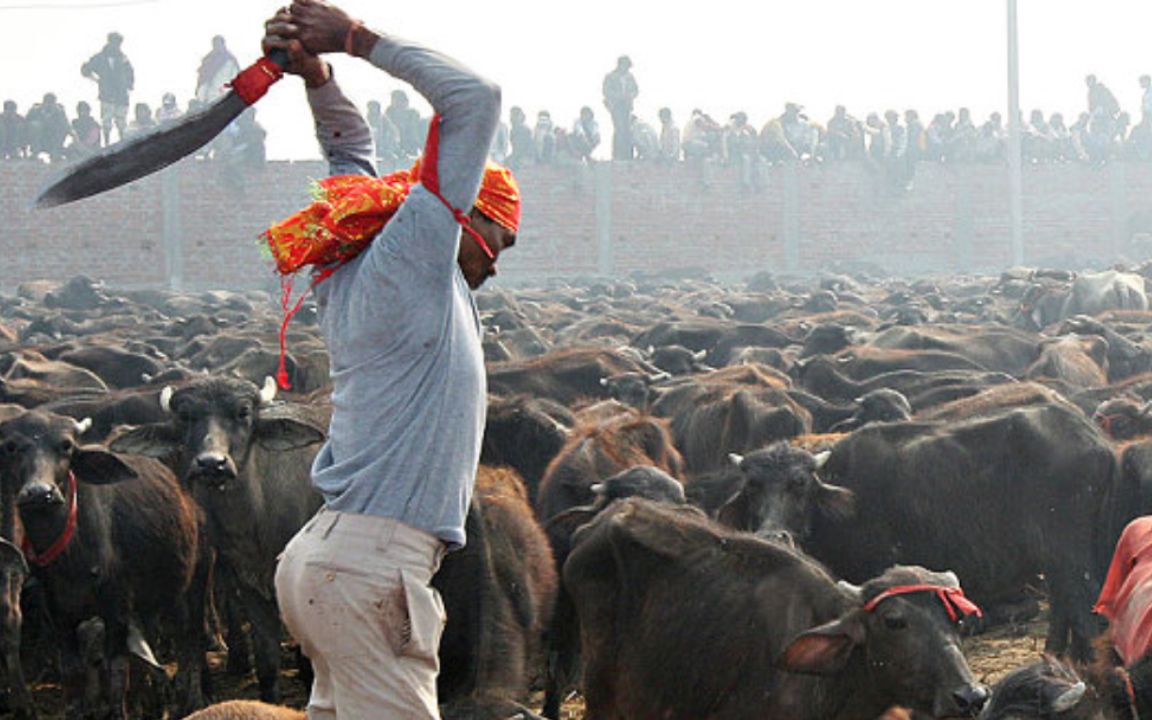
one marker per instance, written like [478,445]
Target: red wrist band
[351,35]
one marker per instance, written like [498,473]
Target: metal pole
[1015,177]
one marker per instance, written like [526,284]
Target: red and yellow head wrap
[499,197]
[350,210]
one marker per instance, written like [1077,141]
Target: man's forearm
[468,104]
[344,136]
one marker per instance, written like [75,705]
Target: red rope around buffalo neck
[952,598]
[61,544]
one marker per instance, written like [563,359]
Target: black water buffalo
[642,481]
[994,400]
[118,367]
[565,375]
[1053,689]
[998,349]
[598,451]
[499,592]
[1124,418]
[1126,357]
[879,405]
[247,461]
[681,618]
[108,537]
[13,572]
[121,407]
[825,377]
[735,420]
[1093,293]
[718,338]
[775,491]
[1045,689]
[1000,499]
[525,433]
[678,360]
[864,361]
[1077,361]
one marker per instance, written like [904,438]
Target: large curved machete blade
[143,154]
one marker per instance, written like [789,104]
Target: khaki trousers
[355,592]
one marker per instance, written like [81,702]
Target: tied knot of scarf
[348,212]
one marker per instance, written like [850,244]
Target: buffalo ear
[285,433]
[825,649]
[1067,698]
[836,502]
[156,440]
[95,465]
[734,512]
[1098,350]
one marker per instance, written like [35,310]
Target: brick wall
[191,227]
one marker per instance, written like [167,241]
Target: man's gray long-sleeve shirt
[409,387]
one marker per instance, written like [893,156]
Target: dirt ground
[991,656]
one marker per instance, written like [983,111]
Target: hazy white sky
[932,55]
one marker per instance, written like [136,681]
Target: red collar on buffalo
[952,598]
[57,548]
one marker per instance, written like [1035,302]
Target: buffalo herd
[785,498]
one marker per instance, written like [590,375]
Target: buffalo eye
[243,412]
[9,447]
[895,622]
[66,446]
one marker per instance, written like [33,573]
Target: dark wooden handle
[279,56]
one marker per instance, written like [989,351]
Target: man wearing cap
[115,78]
[409,389]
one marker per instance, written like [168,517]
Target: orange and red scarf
[349,211]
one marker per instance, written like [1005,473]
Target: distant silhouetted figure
[644,139]
[1100,98]
[585,135]
[114,76]
[702,137]
[407,121]
[669,137]
[85,132]
[1146,98]
[389,153]
[168,109]
[845,139]
[501,144]
[241,149]
[620,91]
[13,132]
[217,68]
[48,127]
[520,140]
[142,120]
[544,138]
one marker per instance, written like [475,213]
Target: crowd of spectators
[1101,133]
[895,141]
[47,134]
